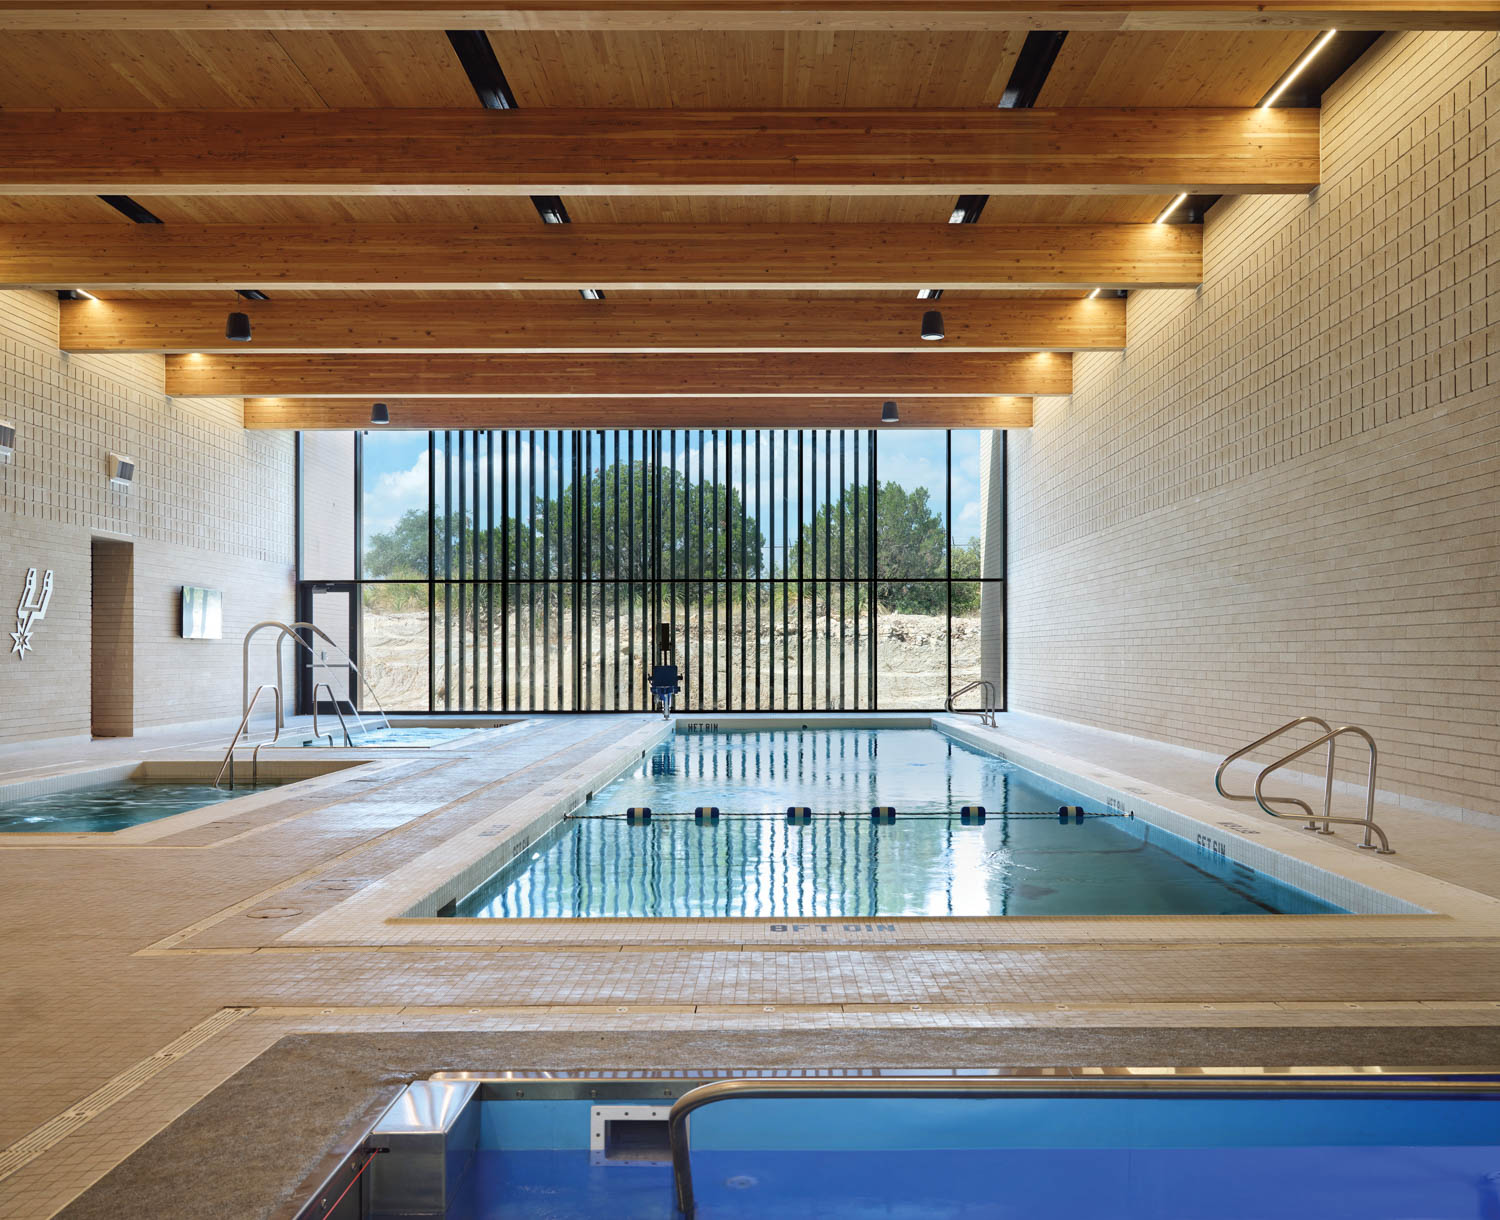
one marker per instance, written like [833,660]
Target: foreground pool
[1061,1150]
[1023,859]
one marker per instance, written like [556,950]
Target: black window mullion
[744,568]
[580,503]
[801,569]
[505,571]
[858,588]
[812,538]
[531,573]
[584,509]
[546,573]
[874,513]
[614,565]
[560,570]
[828,567]
[431,567]
[843,542]
[713,571]
[447,570]
[786,564]
[948,557]
[489,568]
[672,485]
[759,569]
[700,572]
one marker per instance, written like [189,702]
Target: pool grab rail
[991,1088]
[287,631]
[337,711]
[1320,823]
[228,763]
[986,711]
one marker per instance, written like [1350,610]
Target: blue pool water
[396,735]
[598,865]
[1052,1158]
[114,806]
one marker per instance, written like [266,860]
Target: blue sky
[395,465]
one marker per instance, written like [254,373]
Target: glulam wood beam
[822,15]
[876,375]
[308,414]
[653,152]
[485,324]
[852,257]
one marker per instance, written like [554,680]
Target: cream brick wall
[1284,496]
[212,505]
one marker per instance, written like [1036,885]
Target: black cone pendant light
[889,414]
[932,325]
[380,414]
[238,328]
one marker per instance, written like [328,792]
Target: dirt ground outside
[911,659]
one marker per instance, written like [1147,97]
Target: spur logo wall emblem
[31,611]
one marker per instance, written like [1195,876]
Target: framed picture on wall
[202,613]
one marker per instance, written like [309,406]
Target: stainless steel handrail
[289,631]
[986,712]
[1320,822]
[337,711]
[1284,800]
[1368,821]
[358,673]
[981,1088]
[228,762]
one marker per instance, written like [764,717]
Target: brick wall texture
[1284,495]
[212,505]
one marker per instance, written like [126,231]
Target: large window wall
[811,569]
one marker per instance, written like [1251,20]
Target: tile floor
[135,976]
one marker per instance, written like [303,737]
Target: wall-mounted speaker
[7,440]
[121,471]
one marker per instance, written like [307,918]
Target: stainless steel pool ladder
[337,711]
[228,763]
[288,631]
[986,712]
[1317,822]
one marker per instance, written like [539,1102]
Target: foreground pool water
[114,806]
[927,862]
[1209,1157]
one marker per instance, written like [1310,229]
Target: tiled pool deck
[137,974]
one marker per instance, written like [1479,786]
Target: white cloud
[393,494]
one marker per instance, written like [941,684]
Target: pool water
[113,806]
[396,735]
[597,864]
[1051,1158]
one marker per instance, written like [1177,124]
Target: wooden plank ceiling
[759,192]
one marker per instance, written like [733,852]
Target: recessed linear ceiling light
[932,325]
[1297,69]
[1171,207]
[889,414]
[237,328]
[380,414]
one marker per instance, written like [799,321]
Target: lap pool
[1023,859]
